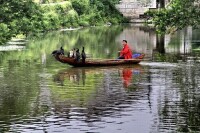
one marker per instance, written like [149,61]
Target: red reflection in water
[128,74]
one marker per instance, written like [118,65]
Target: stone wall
[135,8]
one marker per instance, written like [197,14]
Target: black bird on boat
[83,55]
[78,55]
[58,52]
[54,52]
[62,50]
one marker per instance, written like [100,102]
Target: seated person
[126,52]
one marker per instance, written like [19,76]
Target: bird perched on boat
[54,52]
[83,55]
[58,52]
[62,51]
[74,53]
[78,55]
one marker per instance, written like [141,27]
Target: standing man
[126,52]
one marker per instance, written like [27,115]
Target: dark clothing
[121,57]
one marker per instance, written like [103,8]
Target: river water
[162,94]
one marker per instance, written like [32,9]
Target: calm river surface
[41,95]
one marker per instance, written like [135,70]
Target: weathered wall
[135,8]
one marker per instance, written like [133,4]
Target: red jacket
[126,52]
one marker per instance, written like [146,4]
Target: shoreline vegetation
[176,16]
[23,18]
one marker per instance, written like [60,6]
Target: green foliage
[52,20]
[4,34]
[28,17]
[20,17]
[59,14]
[84,23]
[173,58]
[98,12]
[81,6]
[179,14]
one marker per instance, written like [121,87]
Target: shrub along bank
[28,17]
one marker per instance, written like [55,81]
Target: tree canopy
[26,16]
[177,15]
[18,16]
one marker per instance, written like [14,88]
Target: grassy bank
[28,17]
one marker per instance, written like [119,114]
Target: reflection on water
[39,94]
[78,75]
[98,95]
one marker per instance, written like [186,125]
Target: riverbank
[33,18]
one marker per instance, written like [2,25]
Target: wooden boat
[97,62]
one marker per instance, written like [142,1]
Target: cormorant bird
[83,55]
[78,55]
[58,52]
[62,50]
[54,52]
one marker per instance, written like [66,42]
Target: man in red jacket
[126,52]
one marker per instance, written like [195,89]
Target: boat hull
[93,63]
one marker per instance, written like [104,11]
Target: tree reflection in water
[100,91]
[78,75]
[162,97]
[118,88]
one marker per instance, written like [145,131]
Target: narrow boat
[98,62]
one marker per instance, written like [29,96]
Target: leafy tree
[97,11]
[25,16]
[81,6]
[19,16]
[178,14]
